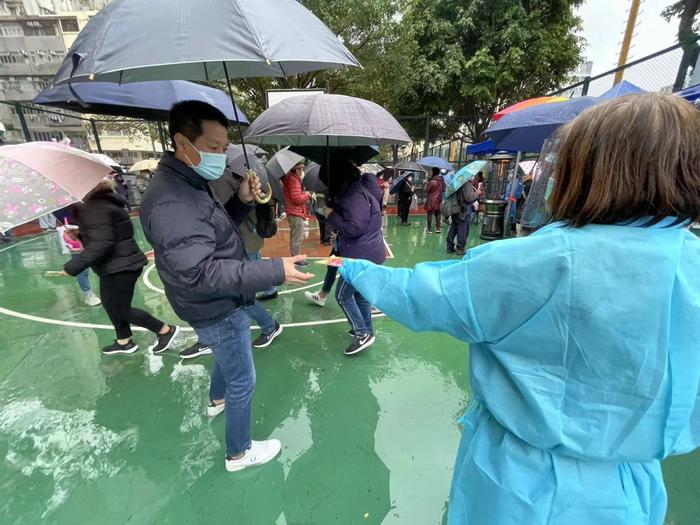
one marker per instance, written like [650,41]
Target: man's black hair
[436,171]
[186,117]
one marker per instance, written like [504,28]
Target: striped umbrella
[526,104]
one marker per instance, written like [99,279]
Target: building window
[11,57]
[40,28]
[48,136]
[11,30]
[70,25]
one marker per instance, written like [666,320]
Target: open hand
[291,274]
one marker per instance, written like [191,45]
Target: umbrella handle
[264,197]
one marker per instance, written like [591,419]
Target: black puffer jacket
[200,255]
[108,237]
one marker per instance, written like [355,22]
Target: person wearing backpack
[459,207]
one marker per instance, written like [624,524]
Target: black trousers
[116,292]
[404,206]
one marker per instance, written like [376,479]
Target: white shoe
[91,299]
[315,298]
[259,453]
[214,410]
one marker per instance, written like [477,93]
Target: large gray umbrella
[282,162]
[326,120]
[406,165]
[137,40]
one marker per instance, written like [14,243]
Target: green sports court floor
[123,439]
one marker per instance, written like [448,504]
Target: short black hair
[436,171]
[186,117]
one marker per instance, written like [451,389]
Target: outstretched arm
[432,297]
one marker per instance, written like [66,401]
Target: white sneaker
[259,453]
[315,298]
[214,410]
[91,299]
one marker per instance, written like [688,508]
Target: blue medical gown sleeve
[418,298]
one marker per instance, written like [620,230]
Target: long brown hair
[632,157]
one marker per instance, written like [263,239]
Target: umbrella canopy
[357,154]
[406,165]
[487,147]
[141,40]
[145,100]
[531,102]
[312,181]
[464,175]
[435,162]
[37,178]
[372,168]
[144,165]
[527,166]
[395,183]
[283,161]
[527,130]
[620,90]
[326,120]
[106,160]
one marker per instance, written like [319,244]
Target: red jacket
[434,191]
[295,198]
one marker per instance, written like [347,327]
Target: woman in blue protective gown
[585,336]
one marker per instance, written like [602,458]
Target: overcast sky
[604,23]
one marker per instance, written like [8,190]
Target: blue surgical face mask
[211,166]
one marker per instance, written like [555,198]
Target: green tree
[372,31]
[476,56]
[688,12]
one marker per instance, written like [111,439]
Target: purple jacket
[357,218]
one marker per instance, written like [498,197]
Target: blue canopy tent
[620,90]
[145,100]
[526,130]
[486,147]
[691,94]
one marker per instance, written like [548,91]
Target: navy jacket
[200,255]
[357,217]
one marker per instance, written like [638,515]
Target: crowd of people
[601,305]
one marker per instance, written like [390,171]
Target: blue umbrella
[464,175]
[146,100]
[486,147]
[691,94]
[526,130]
[435,162]
[620,90]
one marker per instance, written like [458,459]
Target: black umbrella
[312,180]
[358,154]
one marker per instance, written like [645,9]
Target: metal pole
[97,136]
[426,144]
[627,40]
[235,114]
[510,195]
[586,85]
[459,158]
[23,123]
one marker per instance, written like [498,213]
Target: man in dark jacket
[459,229]
[201,259]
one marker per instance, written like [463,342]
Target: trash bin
[494,217]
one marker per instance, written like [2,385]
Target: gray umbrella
[282,162]
[406,165]
[326,120]
[137,40]
[312,181]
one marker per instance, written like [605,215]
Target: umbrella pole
[510,195]
[235,114]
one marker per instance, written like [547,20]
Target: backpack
[450,205]
[472,193]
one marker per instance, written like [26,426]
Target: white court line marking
[151,286]
[75,324]
[391,254]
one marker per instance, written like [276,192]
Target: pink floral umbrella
[37,178]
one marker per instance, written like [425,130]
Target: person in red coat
[295,199]
[434,191]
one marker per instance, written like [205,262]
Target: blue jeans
[83,278]
[255,256]
[261,316]
[232,375]
[356,308]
